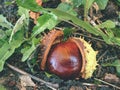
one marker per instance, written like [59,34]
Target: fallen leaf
[76,88]
[111,78]
[26,81]
[34,16]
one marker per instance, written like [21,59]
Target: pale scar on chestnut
[73,58]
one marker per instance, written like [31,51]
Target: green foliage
[107,24]
[118,2]
[7,49]
[75,20]
[102,3]
[28,50]
[116,32]
[66,7]
[10,39]
[87,4]
[4,22]
[19,24]
[46,21]
[2,34]
[68,32]
[23,11]
[115,64]
[31,5]
[48,74]
[76,3]
[2,87]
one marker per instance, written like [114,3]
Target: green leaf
[68,32]
[8,49]
[116,40]
[2,41]
[30,4]
[63,16]
[5,23]
[87,4]
[27,51]
[46,21]
[101,3]
[5,34]
[118,70]
[116,32]
[2,87]
[66,7]
[116,64]
[94,30]
[8,3]
[24,11]
[19,24]
[107,24]
[2,34]
[118,0]
[76,3]
[48,74]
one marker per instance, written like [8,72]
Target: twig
[89,84]
[102,55]
[107,83]
[48,84]
[89,37]
[71,23]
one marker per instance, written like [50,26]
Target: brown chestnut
[65,60]
[68,59]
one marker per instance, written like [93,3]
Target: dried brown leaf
[34,16]
[111,78]
[26,81]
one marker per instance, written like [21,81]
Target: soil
[10,79]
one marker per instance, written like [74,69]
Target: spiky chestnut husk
[60,63]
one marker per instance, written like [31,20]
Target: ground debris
[76,88]
[111,78]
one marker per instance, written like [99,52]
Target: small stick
[89,84]
[71,23]
[89,37]
[102,55]
[50,85]
[107,83]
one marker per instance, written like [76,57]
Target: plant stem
[85,10]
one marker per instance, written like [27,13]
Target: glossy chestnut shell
[65,60]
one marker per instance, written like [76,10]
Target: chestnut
[68,59]
[65,60]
